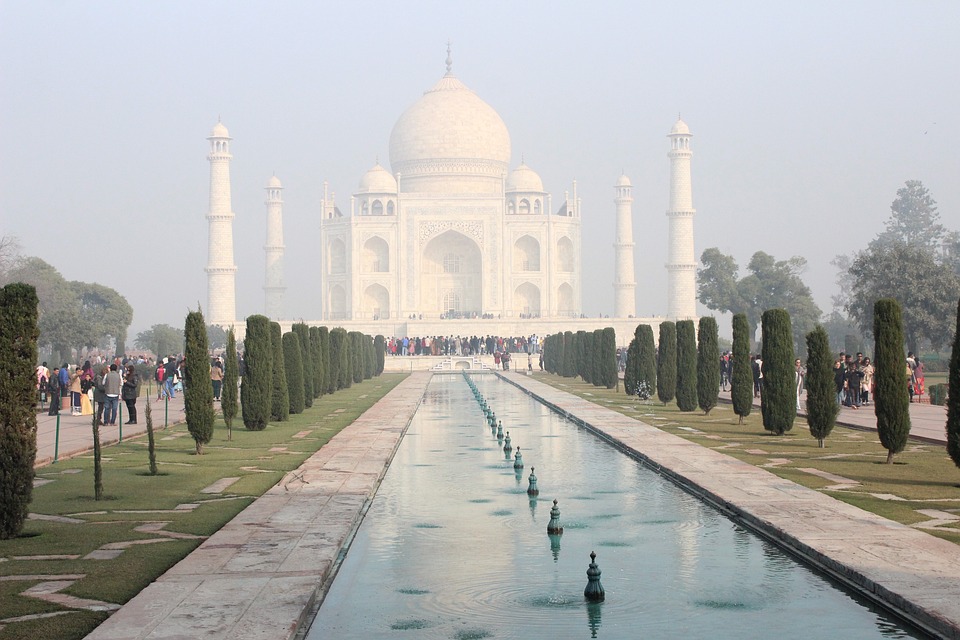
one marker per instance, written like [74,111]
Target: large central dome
[450,141]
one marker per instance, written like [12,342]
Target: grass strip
[136,504]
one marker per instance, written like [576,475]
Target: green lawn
[922,477]
[135,500]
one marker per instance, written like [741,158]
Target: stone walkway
[259,576]
[911,572]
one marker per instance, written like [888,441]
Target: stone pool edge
[909,572]
[265,571]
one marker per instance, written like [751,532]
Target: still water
[453,547]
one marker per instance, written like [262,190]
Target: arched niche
[526,254]
[565,301]
[565,255]
[451,272]
[526,300]
[338,303]
[376,302]
[336,257]
[376,256]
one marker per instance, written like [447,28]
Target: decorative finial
[449,59]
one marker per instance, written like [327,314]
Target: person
[53,392]
[800,373]
[852,378]
[839,378]
[74,386]
[111,389]
[98,397]
[505,360]
[496,359]
[161,373]
[64,382]
[918,380]
[216,378]
[43,374]
[757,367]
[129,393]
[169,373]
[866,385]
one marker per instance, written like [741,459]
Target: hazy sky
[806,119]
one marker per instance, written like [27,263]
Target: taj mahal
[449,240]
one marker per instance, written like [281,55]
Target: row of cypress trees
[592,355]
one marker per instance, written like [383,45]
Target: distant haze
[806,117]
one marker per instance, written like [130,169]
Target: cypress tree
[316,355]
[293,362]
[582,351]
[228,392]
[197,390]
[356,355]
[708,364]
[953,399]
[778,397]
[331,372]
[891,400]
[257,385]
[303,336]
[280,396]
[559,356]
[151,443]
[608,358]
[741,383]
[380,346]
[667,362]
[338,369]
[647,357]
[596,367]
[18,420]
[97,459]
[821,392]
[569,356]
[630,371]
[686,366]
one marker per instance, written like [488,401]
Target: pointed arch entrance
[451,276]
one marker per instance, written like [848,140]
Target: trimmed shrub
[280,396]
[569,356]
[339,357]
[891,401]
[778,396]
[18,421]
[821,391]
[331,372]
[596,368]
[953,397]
[197,390]
[741,383]
[630,371]
[356,355]
[582,347]
[293,362]
[609,368]
[369,357]
[256,388]
[379,347]
[708,364]
[647,357]
[302,332]
[686,365]
[667,362]
[231,380]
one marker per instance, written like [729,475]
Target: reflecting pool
[453,547]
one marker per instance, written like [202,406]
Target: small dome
[680,128]
[623,181]
[219,131]
[523,178]
[378,180]
[274,183]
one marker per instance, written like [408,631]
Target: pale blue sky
[806,118]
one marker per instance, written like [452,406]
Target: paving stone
[302,434]
[61,519]
[220,485]
[103,554]
[47,557]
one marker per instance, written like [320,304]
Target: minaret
[681,260]
[221,272]
[624,284]
[273,278]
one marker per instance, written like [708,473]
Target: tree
[197,390]
[293,361]
[316,354]
[231,375]
[306,359]
[257,385]
[280,395]
[953,400]
[331,365]
[630,371]
[162,339]
[106,313]
[778,397]
[914,276]
[357,347]
[686,366]
[9,256]
[379,347]
[708,364]
[891,399]
[608,358]
[559,357]
[583,355]
[569,366]
[741,384]
[19,331]
[821,391]
[338,359]
[216,337]
[667,362]
[596,375]
[914,219]
[769,284]
[647,357]
[151,441]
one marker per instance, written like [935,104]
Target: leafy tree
[162,339]
[197,390]
[778,397]
[912,275]
[708,364]
[231,379]
[630,371]
[280,395]
[953,399]
[9,256]
[293,361]
[891,399]
[914,219]
[216,336]
[306,358]
[257,385]
[18,420]
[105,313]
[608,358]
[821,392]
[647,356]
[380,346]
[769,284]
[667,362]
[741,383]
[686,366]
[569,367]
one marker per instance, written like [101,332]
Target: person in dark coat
[129,393]
[53,392]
